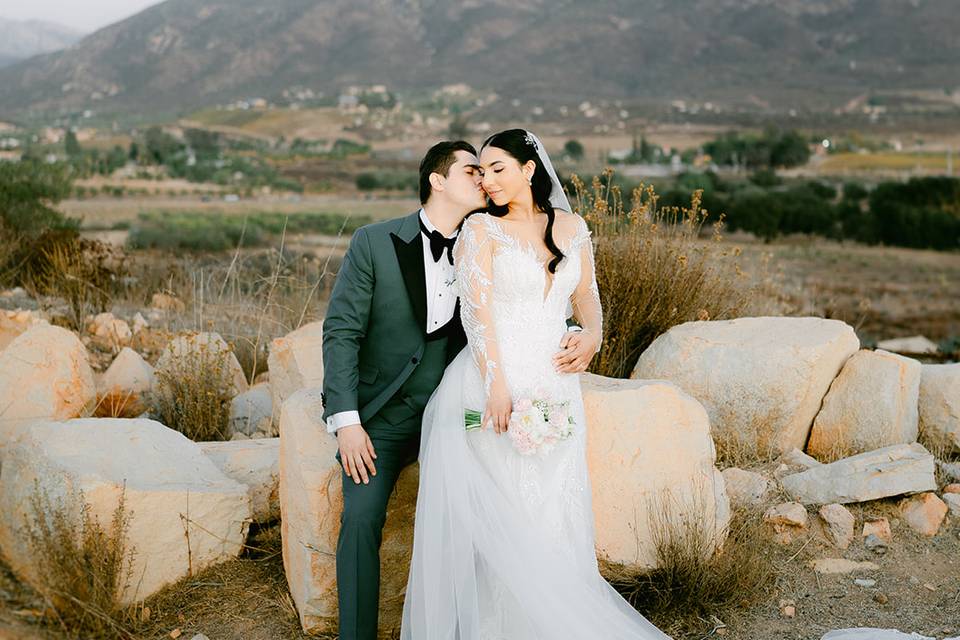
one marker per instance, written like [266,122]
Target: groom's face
[462,184]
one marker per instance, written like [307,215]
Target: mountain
[20,39]
[183,54]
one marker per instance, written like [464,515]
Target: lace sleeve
[473,256]
[585,299]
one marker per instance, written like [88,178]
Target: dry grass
[83,569]
[693,587]
[193,390]
[653,271]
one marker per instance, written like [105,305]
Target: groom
[391,328]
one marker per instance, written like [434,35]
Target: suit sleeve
[348,315]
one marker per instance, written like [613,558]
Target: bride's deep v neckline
[526,248]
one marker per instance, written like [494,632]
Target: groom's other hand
[356,453]
[577,349]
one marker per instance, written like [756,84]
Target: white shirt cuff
[575,328]
[342,419]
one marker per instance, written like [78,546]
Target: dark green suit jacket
[374,333]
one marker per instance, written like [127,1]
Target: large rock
[940,404]
[871,404]
[188,345]
[635,426]
[924,513]
[745,488]
[912,344]
[890,471]
[761,380]
[13,323]
[185,514]
[251,412]
[124,385]
[110,331]
[311,501]
[44,375]
[295,362]
[256,464]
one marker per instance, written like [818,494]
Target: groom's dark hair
[439,159]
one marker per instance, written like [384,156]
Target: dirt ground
[247,598]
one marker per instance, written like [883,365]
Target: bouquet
[536,424]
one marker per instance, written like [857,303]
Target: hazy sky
[86,15]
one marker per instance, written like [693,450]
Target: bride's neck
[522,209]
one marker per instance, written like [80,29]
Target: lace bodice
[513,311]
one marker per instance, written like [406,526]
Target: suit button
[414,360]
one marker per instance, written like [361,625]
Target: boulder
[839,524]
[940,405]
[295,362]
[924,513]
[633,427]
[890,471]
[788,520]
[877,526]
[745,488]
[952,500]
[110,331]
[871,404]
[44,375]
[124,385]
[13,323]
[311,501]
[255,464]
[185,514]
[761,380]
[166,302]
[841,565]
[912,344]
[251,411]
[191,343]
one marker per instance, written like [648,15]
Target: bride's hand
[499,407]
[577,350]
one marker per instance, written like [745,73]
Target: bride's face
[504,178]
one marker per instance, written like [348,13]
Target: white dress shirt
[441,303]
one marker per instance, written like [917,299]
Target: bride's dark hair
[514,142]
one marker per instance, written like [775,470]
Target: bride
[504,543]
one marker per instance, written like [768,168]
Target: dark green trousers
[361,524]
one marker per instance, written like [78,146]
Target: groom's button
[414,360]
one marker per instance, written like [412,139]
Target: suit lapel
[408,244]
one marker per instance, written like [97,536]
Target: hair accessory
[531,140]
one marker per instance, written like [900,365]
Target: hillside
[182,54]
[21,39]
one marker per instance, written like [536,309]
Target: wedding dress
[504,542]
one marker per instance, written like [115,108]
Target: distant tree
[459,127]
[134,153]
[72,145]
[28,192]
[161,146]
[573,149]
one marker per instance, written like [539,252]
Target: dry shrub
[193,391]
[653,270]
[82,568]
[119,403]
[693,586]
[85,273]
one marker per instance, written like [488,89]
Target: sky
[84,15]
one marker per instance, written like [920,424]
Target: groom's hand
[576,351]
[356,452]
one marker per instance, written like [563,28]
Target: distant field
[104,213]
[886,161]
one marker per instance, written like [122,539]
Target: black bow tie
[438,243]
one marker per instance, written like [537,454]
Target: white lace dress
[504,543]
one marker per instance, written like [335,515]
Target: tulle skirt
[503,543]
